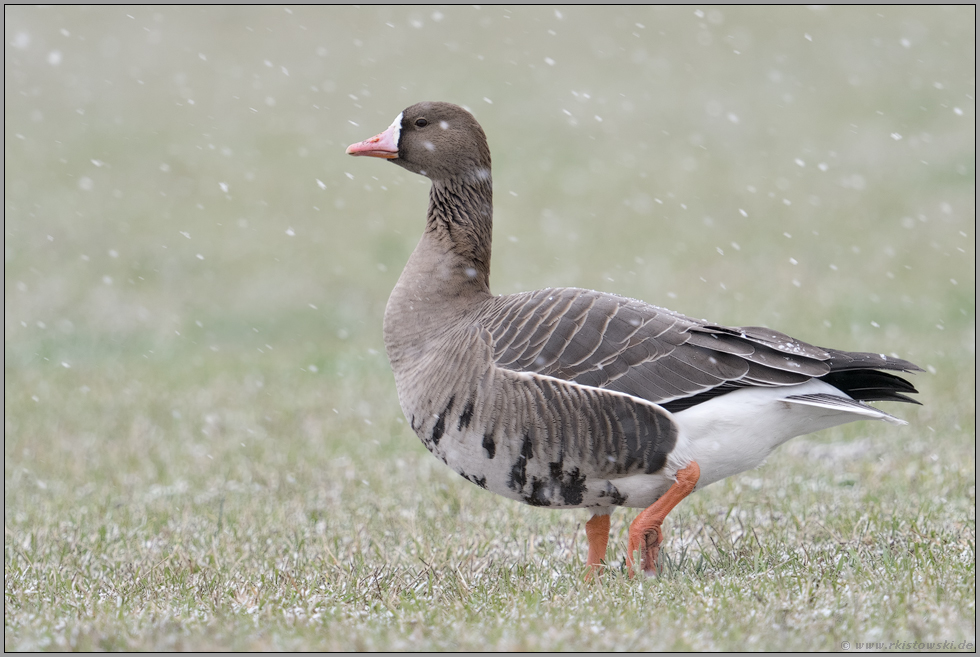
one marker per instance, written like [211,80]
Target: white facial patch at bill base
[396,129]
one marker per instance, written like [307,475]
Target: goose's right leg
[645,532]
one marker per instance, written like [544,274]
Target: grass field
[203,449]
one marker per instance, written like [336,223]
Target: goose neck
[461,219]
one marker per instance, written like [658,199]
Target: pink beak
[384,145]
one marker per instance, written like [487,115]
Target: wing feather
[608,341]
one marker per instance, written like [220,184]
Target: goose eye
[421,123]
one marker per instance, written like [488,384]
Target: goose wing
[613,342]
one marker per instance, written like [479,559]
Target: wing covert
[621,344]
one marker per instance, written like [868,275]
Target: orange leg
[645,532]
[597,529]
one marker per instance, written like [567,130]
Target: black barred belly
[549,464]
[514,470]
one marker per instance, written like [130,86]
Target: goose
[571,398]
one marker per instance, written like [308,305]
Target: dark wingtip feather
[871,385]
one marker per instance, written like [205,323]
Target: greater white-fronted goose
[571,398]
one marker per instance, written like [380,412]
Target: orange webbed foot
[646,533]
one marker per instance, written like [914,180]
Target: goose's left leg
[645,532]
[597,529]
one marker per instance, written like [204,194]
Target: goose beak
[384,145]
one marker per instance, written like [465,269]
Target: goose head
[438,140]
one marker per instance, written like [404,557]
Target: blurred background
[195,273]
